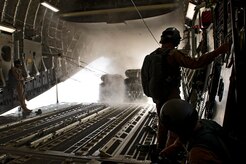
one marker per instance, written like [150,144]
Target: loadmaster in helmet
[204,141]
[155,87]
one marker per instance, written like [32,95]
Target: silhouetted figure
[204,141]
[17,81]
[161,73]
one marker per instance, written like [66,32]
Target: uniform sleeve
[199,155]
[186,61]
[17,74]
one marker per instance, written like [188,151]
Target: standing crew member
[16,80]
[175,59]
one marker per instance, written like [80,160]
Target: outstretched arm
[205,59]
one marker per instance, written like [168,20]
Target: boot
[25,110]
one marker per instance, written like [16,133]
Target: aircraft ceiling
[59,31]
[29,14]
[112,11]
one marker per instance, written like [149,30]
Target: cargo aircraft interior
[82,62]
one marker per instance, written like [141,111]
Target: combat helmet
[179,116]
[171,34]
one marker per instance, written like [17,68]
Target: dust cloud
[115,48]
[125,44]
[109,49]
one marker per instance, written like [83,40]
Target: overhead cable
[144,22]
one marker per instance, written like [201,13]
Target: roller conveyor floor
[80,133]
